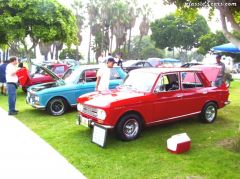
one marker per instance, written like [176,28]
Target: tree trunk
[129,41]
[89,45]
[77,53]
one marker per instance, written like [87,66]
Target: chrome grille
[89,111]
[31,97]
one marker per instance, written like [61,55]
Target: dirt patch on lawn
[229,144]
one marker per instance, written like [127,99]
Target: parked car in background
[40,75]
[155,62]
[189,64]
[164,62]
[70,62]
[56,97]
[153,96]
[135,64]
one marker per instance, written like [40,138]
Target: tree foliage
[145,49]
[229,13]
[44,20]
[210,40]
[68,53]
[174,31]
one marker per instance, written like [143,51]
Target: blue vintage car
[57,97]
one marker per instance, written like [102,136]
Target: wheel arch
[211,101]
[131,112]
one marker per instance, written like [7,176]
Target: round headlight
[80,107]
[36,98]
[101,114]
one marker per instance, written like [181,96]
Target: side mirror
[156,91]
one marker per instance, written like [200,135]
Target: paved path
[24,155]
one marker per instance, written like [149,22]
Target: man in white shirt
[12,80]
[103,75]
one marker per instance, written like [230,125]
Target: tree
[210,40]
[69,53]
[229,13]
[44,20]
[145,49]
[78,8]
[174,31]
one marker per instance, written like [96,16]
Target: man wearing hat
[103,75]
[221,74]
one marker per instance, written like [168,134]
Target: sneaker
[12,113]
[16,111]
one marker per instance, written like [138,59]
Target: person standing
[221,74]
[12,80]
[119,59]
[101,58]
[3,77]
[103,75]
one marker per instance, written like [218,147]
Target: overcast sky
[158,11]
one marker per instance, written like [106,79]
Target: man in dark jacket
[3,77]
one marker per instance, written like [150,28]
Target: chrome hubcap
[210,113]
[57,106]
[130,128]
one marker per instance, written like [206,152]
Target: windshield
[140,81]
[71,76]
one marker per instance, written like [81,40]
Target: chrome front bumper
[227,102]
[90,123]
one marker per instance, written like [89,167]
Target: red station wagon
[41,76]
[153,96]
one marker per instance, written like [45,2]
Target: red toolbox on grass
[179,143]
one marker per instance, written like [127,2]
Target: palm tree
[78,7]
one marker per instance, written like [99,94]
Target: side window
[89,75]
[59,70]
[139,64]
[168,82]
[190,80]
[114,75]
[146,64]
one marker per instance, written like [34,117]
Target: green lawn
[147,156]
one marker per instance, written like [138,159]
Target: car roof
[165,70]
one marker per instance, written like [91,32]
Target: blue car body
[56,97]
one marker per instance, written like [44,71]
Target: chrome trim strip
[174,117]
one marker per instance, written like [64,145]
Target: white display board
[99,135]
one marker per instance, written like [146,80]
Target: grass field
[147,156]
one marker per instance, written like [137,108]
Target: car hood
[107,98]
[49,72]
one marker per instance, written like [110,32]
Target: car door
[115,78]
[167,100]
[86,83]
[194,92]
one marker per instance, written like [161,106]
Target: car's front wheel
[209,113]
[57,106]
[129,127]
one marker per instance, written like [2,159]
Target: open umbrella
[229,47]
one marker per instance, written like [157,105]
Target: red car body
[160,95]
[26,80]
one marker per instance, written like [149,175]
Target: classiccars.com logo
[210,4]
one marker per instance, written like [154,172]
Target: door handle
[204,92]
[179,96]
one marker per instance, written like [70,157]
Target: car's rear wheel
[129,127]
[209,113]
[57,106]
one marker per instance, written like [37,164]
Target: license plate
[84,121]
